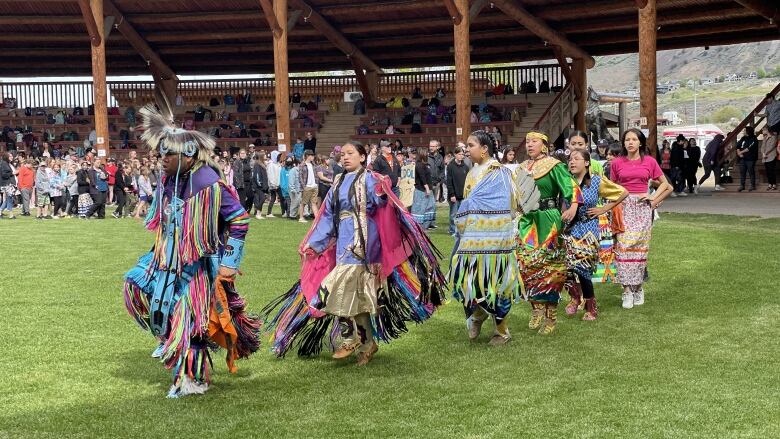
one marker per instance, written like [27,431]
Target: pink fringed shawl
[314,268]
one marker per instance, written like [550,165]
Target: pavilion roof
[49,37]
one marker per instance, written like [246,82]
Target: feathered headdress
[160,134]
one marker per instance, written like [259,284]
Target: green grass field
[699,359]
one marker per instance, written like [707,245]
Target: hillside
[716,103]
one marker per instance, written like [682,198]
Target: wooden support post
[565,69]
[99,81]
[462,74]
[580,77]
[622,118]
[647,72]
[282,79]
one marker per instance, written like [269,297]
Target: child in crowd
[42,191]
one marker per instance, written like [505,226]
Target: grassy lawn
[699,359]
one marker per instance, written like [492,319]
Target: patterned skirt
[84,203]
[424,208]
[582,254]
[634,243]
[544,273]
[606,268]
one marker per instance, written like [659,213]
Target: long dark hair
[336,203]
[642,143]
[422,155]
[507,150]
[486,139]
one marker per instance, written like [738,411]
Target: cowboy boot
[591,310]
[537,315]
[550,319]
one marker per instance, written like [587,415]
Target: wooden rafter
[561,58]
[453,11]
[476,8]
[640,3]
[292,19]
[138,42]
[89,22]
[768,9]
[268,10]
[334,35]
[544,31]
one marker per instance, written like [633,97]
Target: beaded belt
[549,203]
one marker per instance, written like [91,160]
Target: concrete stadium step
[337,129]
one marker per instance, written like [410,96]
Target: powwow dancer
[484,274]
[368,269]
[582,236]
[634,170]
[541,253]
[182,290]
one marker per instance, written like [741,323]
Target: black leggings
[587,286]
[73,205]
[58,204]
[273,193]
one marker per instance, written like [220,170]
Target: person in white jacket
[274,170]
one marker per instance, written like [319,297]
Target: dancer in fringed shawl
[634,170]
[182,290]
[368,269]
[582,236]
[541,253]
[484,274]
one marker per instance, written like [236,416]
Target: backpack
[230,100]
[416,128]
[446,118]
[362,130]
[240,100]
[407,119]
[78,111]
[296,98]
[430,119]
[50,119]
[544,87]
[214,102]
[27,111]
[311,106]
[307,122]
[405,102]
[417,94]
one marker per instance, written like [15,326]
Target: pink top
[634,175]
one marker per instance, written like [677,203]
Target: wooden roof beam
[292,19]
[452,9]
[768,9]
[89,22]
[268,10]
[334,36]
[138,42]
[640,3]
[545,32]
[476,8]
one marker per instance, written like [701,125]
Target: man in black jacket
[747,154]
[677,162]
[457,170]
[387,164]
[242,179]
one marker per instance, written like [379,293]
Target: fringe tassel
[194,363]
[137,304]
[292,322]
[247,325]
[199,233]
[474,277]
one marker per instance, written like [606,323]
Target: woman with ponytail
[368,269]
[484,275]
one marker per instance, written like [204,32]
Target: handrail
[122,93]
[749,120]
[552,105]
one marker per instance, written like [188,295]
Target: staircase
[555,117]
[537,105]
[755,119]
[337,128]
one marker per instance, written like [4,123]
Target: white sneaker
[258,216]
[719,188]
[683,194]
[674,194]
[270,215]
[696,189]
[302,221]
[628,300]
[639,297]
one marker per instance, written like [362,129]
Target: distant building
[753,75]
[672,117]
[707,81]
